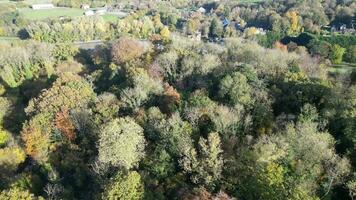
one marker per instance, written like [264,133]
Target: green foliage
[125,187]
[164,113]
[235,89]
[137,25]
[216,28]
[295,164]
[17,193]
[11,157]
[337,54]
[209,161]
[68,91]
[350,55]
[105,108]
[121,143]
[4,137]
[64,51]
[18,64]
[79,29]
[142,86]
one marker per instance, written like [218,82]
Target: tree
[216,28]
[236,89]
[192,26]
[36,136]
[11,157]
[121,143]
[20,63]
[105,107]
[165,33]
[16,193]
[64,51]
[351,54]
[142,86]
[4,137]
[294,22]
[337,53]
[64,124]
[294,164]
[125,187]
[126,49]
[210,161]
[69,90]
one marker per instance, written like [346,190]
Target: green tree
[294,164]
[210,162]
[351,54]
[121,143]
[236,89]
[125,187]
[69,90]
[337,53]
[216,28]
[16,193]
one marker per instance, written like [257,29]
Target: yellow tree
[165,33]
[293,18]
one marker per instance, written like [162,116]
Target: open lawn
[344,68]
[110,17]
[50,13]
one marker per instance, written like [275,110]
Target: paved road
[88,45]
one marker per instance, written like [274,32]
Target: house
[100,11]
[226,22]
[85,6]
[201,10]
[89,13]
[42,6]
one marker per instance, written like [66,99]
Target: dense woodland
[238,102]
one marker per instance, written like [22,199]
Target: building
[89,13]
[201,10]
[100,11]
[85,6]
[225,22]
[42,6]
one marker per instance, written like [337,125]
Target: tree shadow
[20,96]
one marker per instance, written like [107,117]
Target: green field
[50,13]
[344,68]
[110,18]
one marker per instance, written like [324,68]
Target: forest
[178,99]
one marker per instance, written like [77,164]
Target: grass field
[50,13]
[110,18]
[344,68]
[30,14]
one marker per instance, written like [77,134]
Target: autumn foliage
[126,49]
[64,124]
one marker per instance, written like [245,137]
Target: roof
[202,10]
[42,6]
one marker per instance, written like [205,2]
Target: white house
[201,10]
[89,13]
[100,11]
[42,6]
